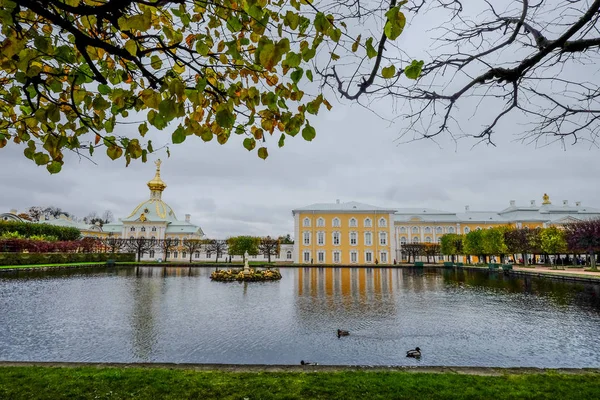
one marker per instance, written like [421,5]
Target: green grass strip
[148,383]
[52,265]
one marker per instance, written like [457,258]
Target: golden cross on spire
[157,163]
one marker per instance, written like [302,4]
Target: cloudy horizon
[230,191]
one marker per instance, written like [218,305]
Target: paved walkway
[488,371]
[566,271]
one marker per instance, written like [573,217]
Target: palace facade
[357,233]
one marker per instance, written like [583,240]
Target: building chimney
[578,203]
[337,201]
[565,202]
[187,217]
[532,203]
[512,203]
[466,208]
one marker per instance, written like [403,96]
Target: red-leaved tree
[584,236]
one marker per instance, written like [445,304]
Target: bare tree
[166,245]
[140,246]
[35,213]
[219,247]
[269,247]
[107,217]
[521,60]
[192,245]
[113,243]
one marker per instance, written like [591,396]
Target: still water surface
[152,314]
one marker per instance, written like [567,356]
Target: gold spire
[157,184]
[546,199]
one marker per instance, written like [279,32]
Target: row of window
[336,257]
[336,238]
[336,222]
[142,229]
[439,230]
[416,239]
[184,254]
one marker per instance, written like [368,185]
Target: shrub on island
[254,275]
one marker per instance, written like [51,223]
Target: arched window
[353,238]
[416,239]
[151,253]
[368,239]
[143,229]
[382,222]
[383,238]
[174,254]
[320,222]
[368,222]
[478,228]
[336,222]
[427,239]
[403,230]
[184,254]
[336,238]
[132,229]
[439,240]
[306,222]
[353,223]
[427,230]
[288,255]
[451,230]
[403,240]
[306,236]
[467,230]
[320,238]
[438,230]
[197,254]
[415,229]
[153,229]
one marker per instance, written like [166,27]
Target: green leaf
[41,158]
[143,129]
[308,133]
[249,144]
[388,72]
[309,75]
[293,59]
[321,23]
[395,23]
[335,34]
[297,75]
[413,71]
[263,153]
[225,118]
[114,152]
[371,52]
[104,89]
[281,141]
[234,24]
[131,47]
[54,167]
[179,135]
[356,44]
[155,62]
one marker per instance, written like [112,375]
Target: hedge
[28,229]
[62,258]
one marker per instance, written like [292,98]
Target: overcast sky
[230,191]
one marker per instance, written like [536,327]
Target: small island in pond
[247,275]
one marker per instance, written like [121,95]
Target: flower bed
[255,275]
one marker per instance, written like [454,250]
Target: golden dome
[157,184]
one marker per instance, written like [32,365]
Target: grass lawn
[52,265]
[148,383]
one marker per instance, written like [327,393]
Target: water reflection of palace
[345,282]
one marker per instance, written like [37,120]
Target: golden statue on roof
[546,199]
[157,184]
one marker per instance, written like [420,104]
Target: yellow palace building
[358,233]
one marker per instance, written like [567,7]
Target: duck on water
[416,353]
[341,332]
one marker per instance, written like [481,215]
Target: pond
[155,314]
